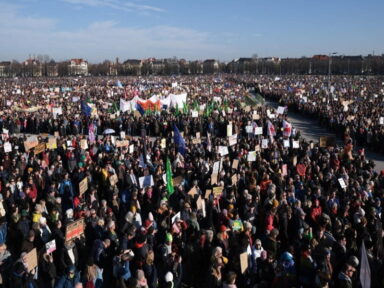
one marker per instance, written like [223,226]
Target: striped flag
[287,129]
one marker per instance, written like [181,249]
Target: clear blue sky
[224,30]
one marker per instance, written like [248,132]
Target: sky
[99,30]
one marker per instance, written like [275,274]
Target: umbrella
[108,131]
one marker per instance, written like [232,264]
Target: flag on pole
[271,129]
[140,109]
[170,187]
[365,271]
[209,144]
[91,133]
[287,129]
[86,109]
[179,140]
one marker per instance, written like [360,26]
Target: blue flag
[118,84]
[140,109]
[179,140]
[85,109]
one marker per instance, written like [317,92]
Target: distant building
[210,66]
[184,67]
[132,67]
[52,69]
[32,68]
[158,67]
[78,67]
[5,69]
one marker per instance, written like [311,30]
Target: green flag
[185,108]
[177,112]
[170,187]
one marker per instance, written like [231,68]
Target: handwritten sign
[243,262]
[31,142]
[39,148]
[84,144]
[83,186]
[217,191]
[122,143]
[52,143]
[235,164]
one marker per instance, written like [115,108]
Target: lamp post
[329,67]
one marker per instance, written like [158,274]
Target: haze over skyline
[105,29]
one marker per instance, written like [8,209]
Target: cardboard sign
[235,179]
[196,141]
[74,229]
[39,148]
[30,260]
[131,149]
[235,164]
[198,135]
[255,116]
[217,191]
[237,225]
[243,262]
[84,144]
[200,205]
[52,143]
[192,192]
[56,134]
[50,246]
[31,142]
[216,167]
[122,135]
[177,180]
[301,169]
[7,147]
[214,178]
[122,143]
[326,141]
[342,183]
[83,186]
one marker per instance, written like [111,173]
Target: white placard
[286,143]
[251,157]
[249,129]
[295,144]
[122,135]
[229,129]
[131,149]
[259,131]
[232,140]
[280,110]
[223,150]
[165,178]
[7,147]
[216,167]
[342,183]
[195,114]
[146,181]
[176,217]
[264,143]
[381,120]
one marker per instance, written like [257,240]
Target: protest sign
[249,129]
[223,150]
[122,143]
[232,140]
[50,246]
[207,193]
[52,143]
[39,148]
[146,181]
[74,229]
[31,142]
[295,144]
[176,217]
[229,130]
[251,157]
[286,143]
[235,164]
[84,144]
[217,191]
[259,131]
[342,183]
[243,262]
[264,143]
[163,143]
[301,169]
[280,110]
[7,147]
[30,259]
[83,186]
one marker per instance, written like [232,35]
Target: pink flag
[91,133]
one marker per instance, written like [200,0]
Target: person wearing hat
[69,279]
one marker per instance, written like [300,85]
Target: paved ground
[310,130]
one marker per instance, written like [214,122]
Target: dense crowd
[344,104]
[230,197]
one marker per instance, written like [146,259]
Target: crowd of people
[344,104]
[221,192]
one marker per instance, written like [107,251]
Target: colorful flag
[91,133]
[86,109]
[140,109]
[170,187]
[287,129]
[179,140]
[271,129]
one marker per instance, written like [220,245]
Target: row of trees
[369,65]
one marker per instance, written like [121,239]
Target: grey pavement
[311,130]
